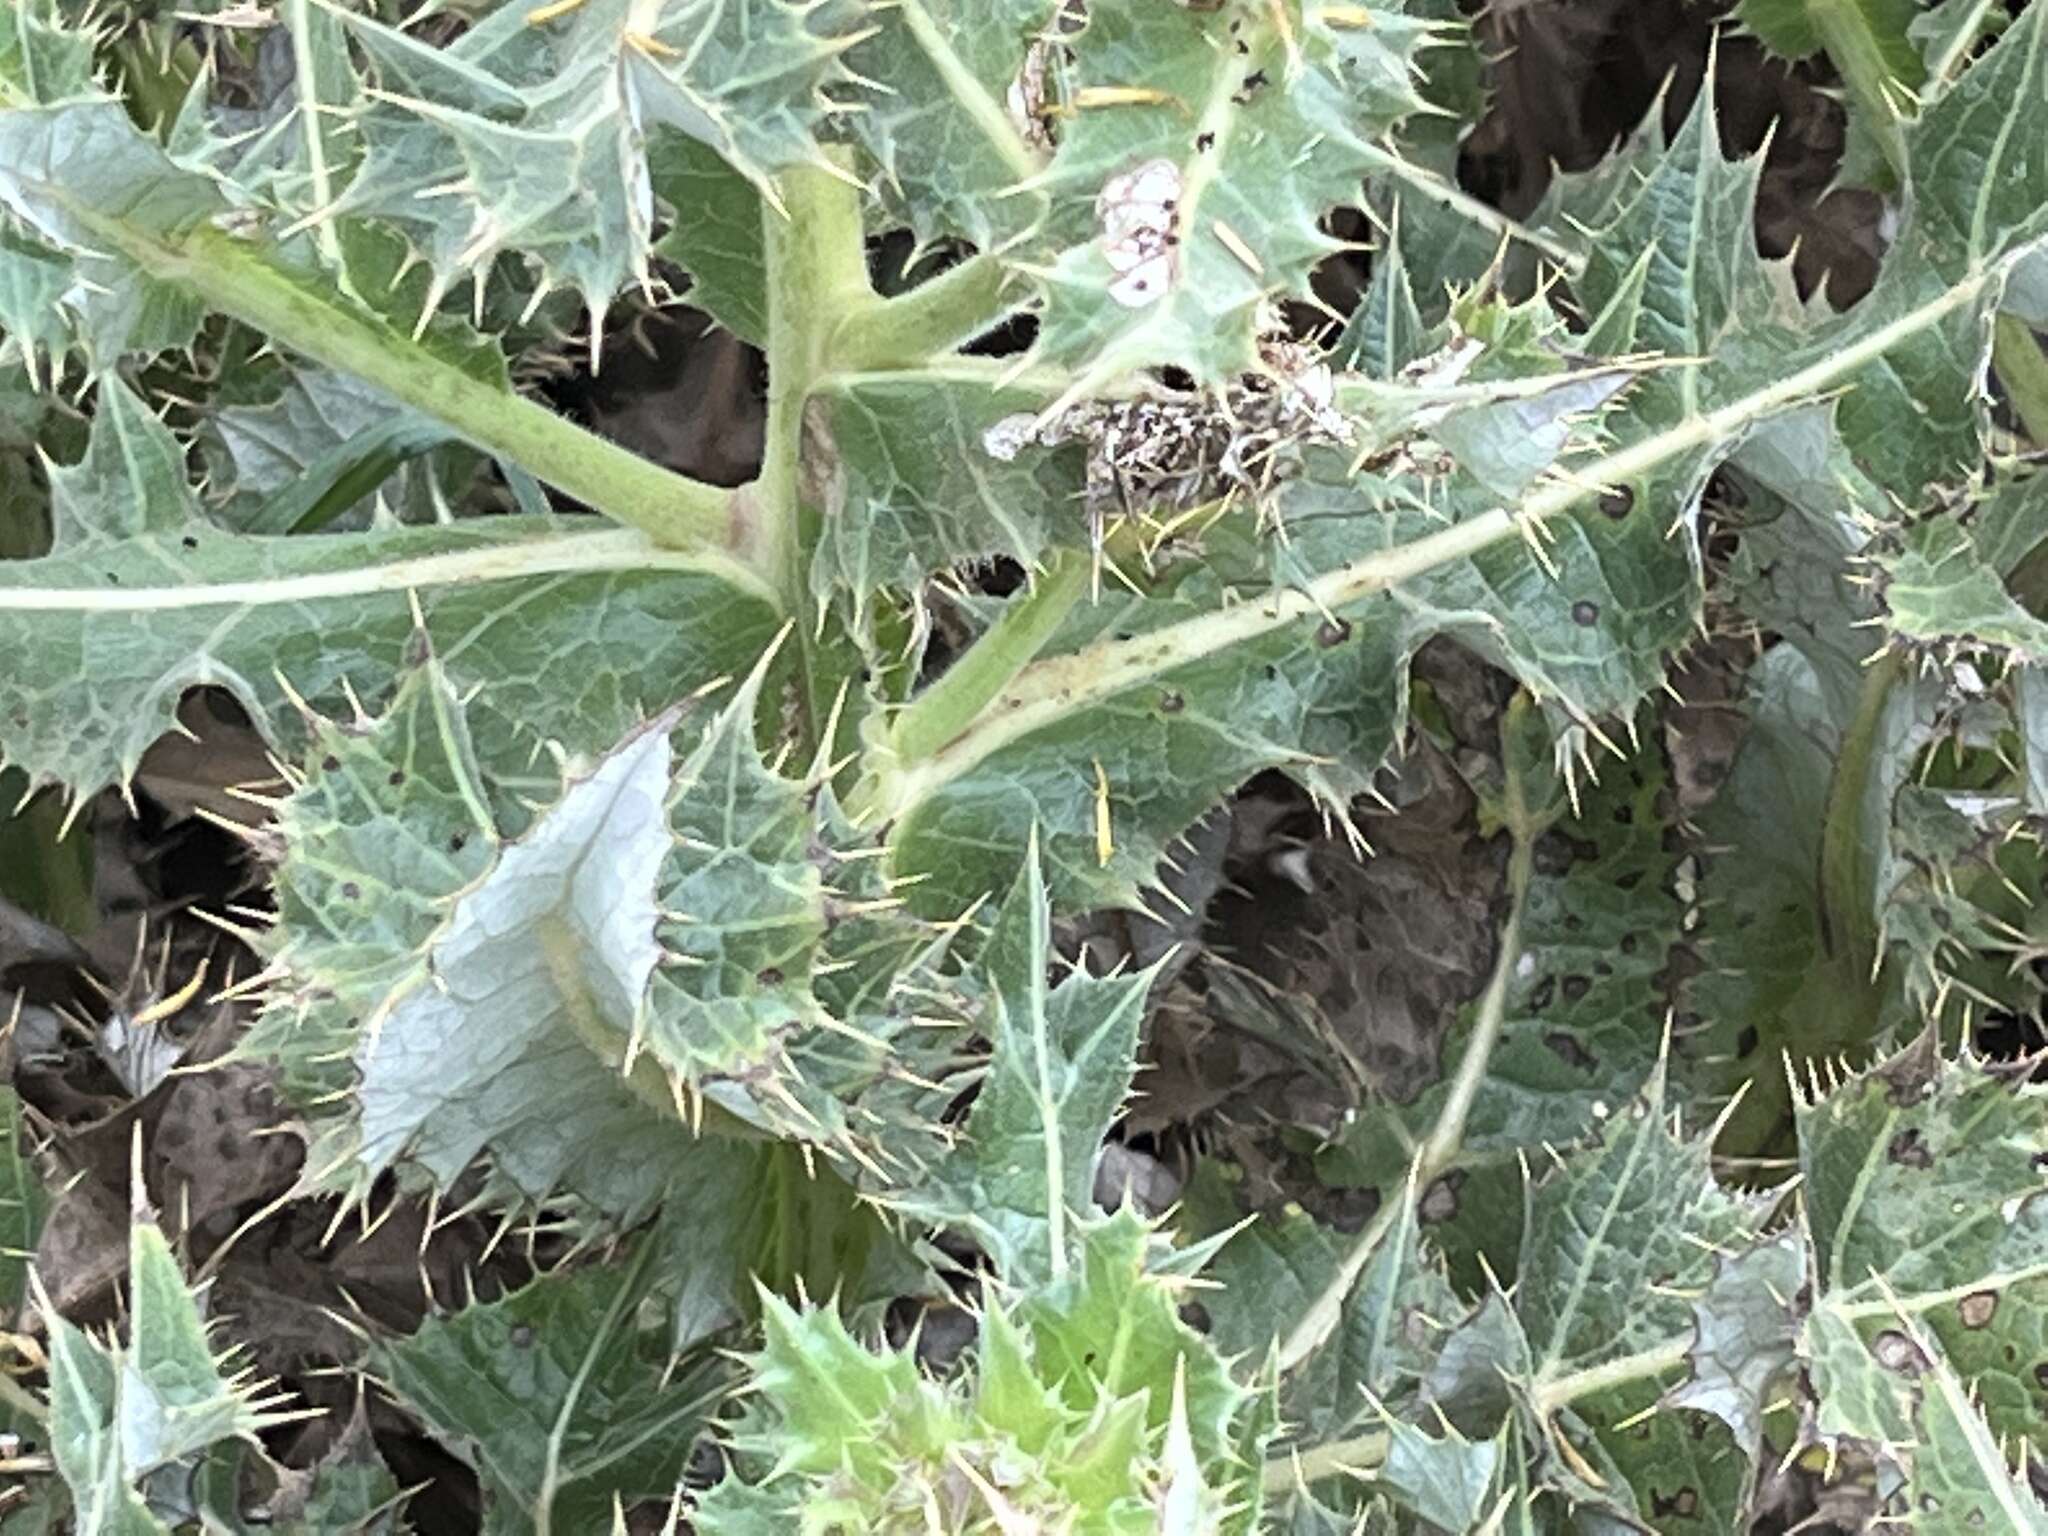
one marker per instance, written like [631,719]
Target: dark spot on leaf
[1746,1042]
[1628,944]
[1618,502]
[1546,989]
[397,777]
[1685,1504]
[330,763]
[1570,1051]
[1332,633]
[1896,1352]
[2041,1375]
[1977,1308]
[189,542]
[1440,1200]
[351,890]
[1909,1149]
[769,976]
[1204,142]
[1172,702]
[1576,987]
[1585,614]
[457,842]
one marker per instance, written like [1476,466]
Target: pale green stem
[1363,1453]
[20,1399]
[1333,1458]
[234,277]
[615,1317]
[951,704]
[815,258]
[1447,1137]
[2024,371]
[1058,686]
[1645,1365]
[931,321]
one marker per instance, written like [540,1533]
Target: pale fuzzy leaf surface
[1743,1333]
[652,932]
[475,993]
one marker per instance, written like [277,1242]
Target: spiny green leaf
[1186,697]
[112,629]
[926,480]
[1626,1222]
[120,1413]
[714,232]
[64,162]
[23,1203]
[1274,1271]
[1798,29]
[1743,1327]
[1195,200]
[558,1396]
[1059,1070]
[1917,1177]
[546,120]
[1045,1427]
[1946,580]
[962,113]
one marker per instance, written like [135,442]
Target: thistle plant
[692,869]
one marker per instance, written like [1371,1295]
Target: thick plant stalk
[234,277]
